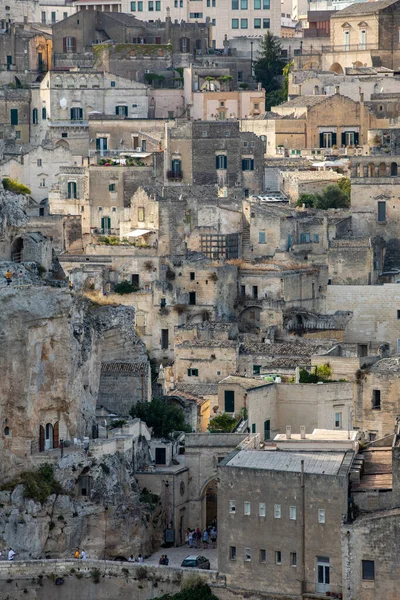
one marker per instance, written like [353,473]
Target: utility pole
[303,530]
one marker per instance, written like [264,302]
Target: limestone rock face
[52,344]
[12,218]
[112,522]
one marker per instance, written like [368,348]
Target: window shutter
[217,162]
[356,138]
[64,44]
[225,162]
[73,44]
[80,114]
[321,140]
[343,138]
[187,44]
[334,139]
[252,164]
[243,164]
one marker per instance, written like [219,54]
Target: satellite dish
[63,103]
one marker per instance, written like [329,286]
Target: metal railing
[349,48]
[173,176]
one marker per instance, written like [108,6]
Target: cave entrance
[17,250]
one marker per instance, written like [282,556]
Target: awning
[135,154]
[138,232]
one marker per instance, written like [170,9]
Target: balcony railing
[174,176]
[350,48]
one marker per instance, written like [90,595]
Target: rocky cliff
[52,346]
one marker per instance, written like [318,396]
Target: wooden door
[41,438]
[56,435]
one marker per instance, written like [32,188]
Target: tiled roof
[363,8]
[207,344]
[287,350]
[198,389]
[246,382]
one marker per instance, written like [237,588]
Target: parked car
[196,562]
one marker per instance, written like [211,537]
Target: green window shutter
[356,138]
[343,138]
[321,140]
[334,137]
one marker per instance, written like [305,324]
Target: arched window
[393,169]
[69,44]
[6,431]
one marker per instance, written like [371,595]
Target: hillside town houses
[247,239]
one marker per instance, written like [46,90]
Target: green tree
[224,422]
[12,185]
[161,416]
[332,197]
[345,185]
[198,591]
[307,199]
[269,65]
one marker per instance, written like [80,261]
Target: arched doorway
[209,504]
[337,68]
[17,250]
[49,436]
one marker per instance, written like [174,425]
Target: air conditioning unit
[147,71]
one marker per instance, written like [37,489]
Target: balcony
[174,176]
[349,48]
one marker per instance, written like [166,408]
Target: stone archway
[209,503]
[17,250]
[336,68]
[249,319]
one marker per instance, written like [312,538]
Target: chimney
[336,89]
[288,432]
[302,432]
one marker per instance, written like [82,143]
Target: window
[266,4]
[196,15]
[229,401]
[141,213]
[133,6]
[18,134]
[151,5]
[232,552]
[192,276]
[39,162]
[193,372]
[346,40]
[292,513]
[253,428]
[65,15]
[247,508]
[255,292]
[14,116]
[376,399]
[247,555]
[71,189]
[266,23]
[277,511]
[42,182]
[263,555]
[381,211]
[235,4]
[363,39]
[163,303]
[247,163]
[158,5]
[76,114]
[111,187]
[6,431]
[368,570]
[121,110]
[35,116]
[338,420]
[44,113]
[232,506]
[164,339]
[69,44]
[243,4]
[278,557]
[316,238]
[257,4]
[257,23]
[321,515]
[43,18]
[221,161]
[243,23]
[261,509]
[192,298]
[53,17]
[262,237]
[243,290]
[256,369]
[293,559]
[214,22]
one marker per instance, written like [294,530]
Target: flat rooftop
[377,473]
[318,463]
[320,435]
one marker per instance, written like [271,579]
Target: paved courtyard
[176,556]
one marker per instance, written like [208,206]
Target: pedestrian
[198,537]
[77,553]
[11,554]
[162,560]
[166,560]
[190,538]
[131,558]
[213,536]
[86,448]
[83,555]
[205,539]
[140,558]
[8,276]
[71,286]
[187,537]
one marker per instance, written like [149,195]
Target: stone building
[274,516]
[15,109]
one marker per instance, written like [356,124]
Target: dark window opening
[368,570]
[6,431]
[135,280]
[255,292]
[376,399]
[192,276]
[192,298]
[164,339]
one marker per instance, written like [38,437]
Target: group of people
[9,276]
[133,559]
[164,560]
[80,554]
[195,537]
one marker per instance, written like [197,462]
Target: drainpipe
[303,532]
